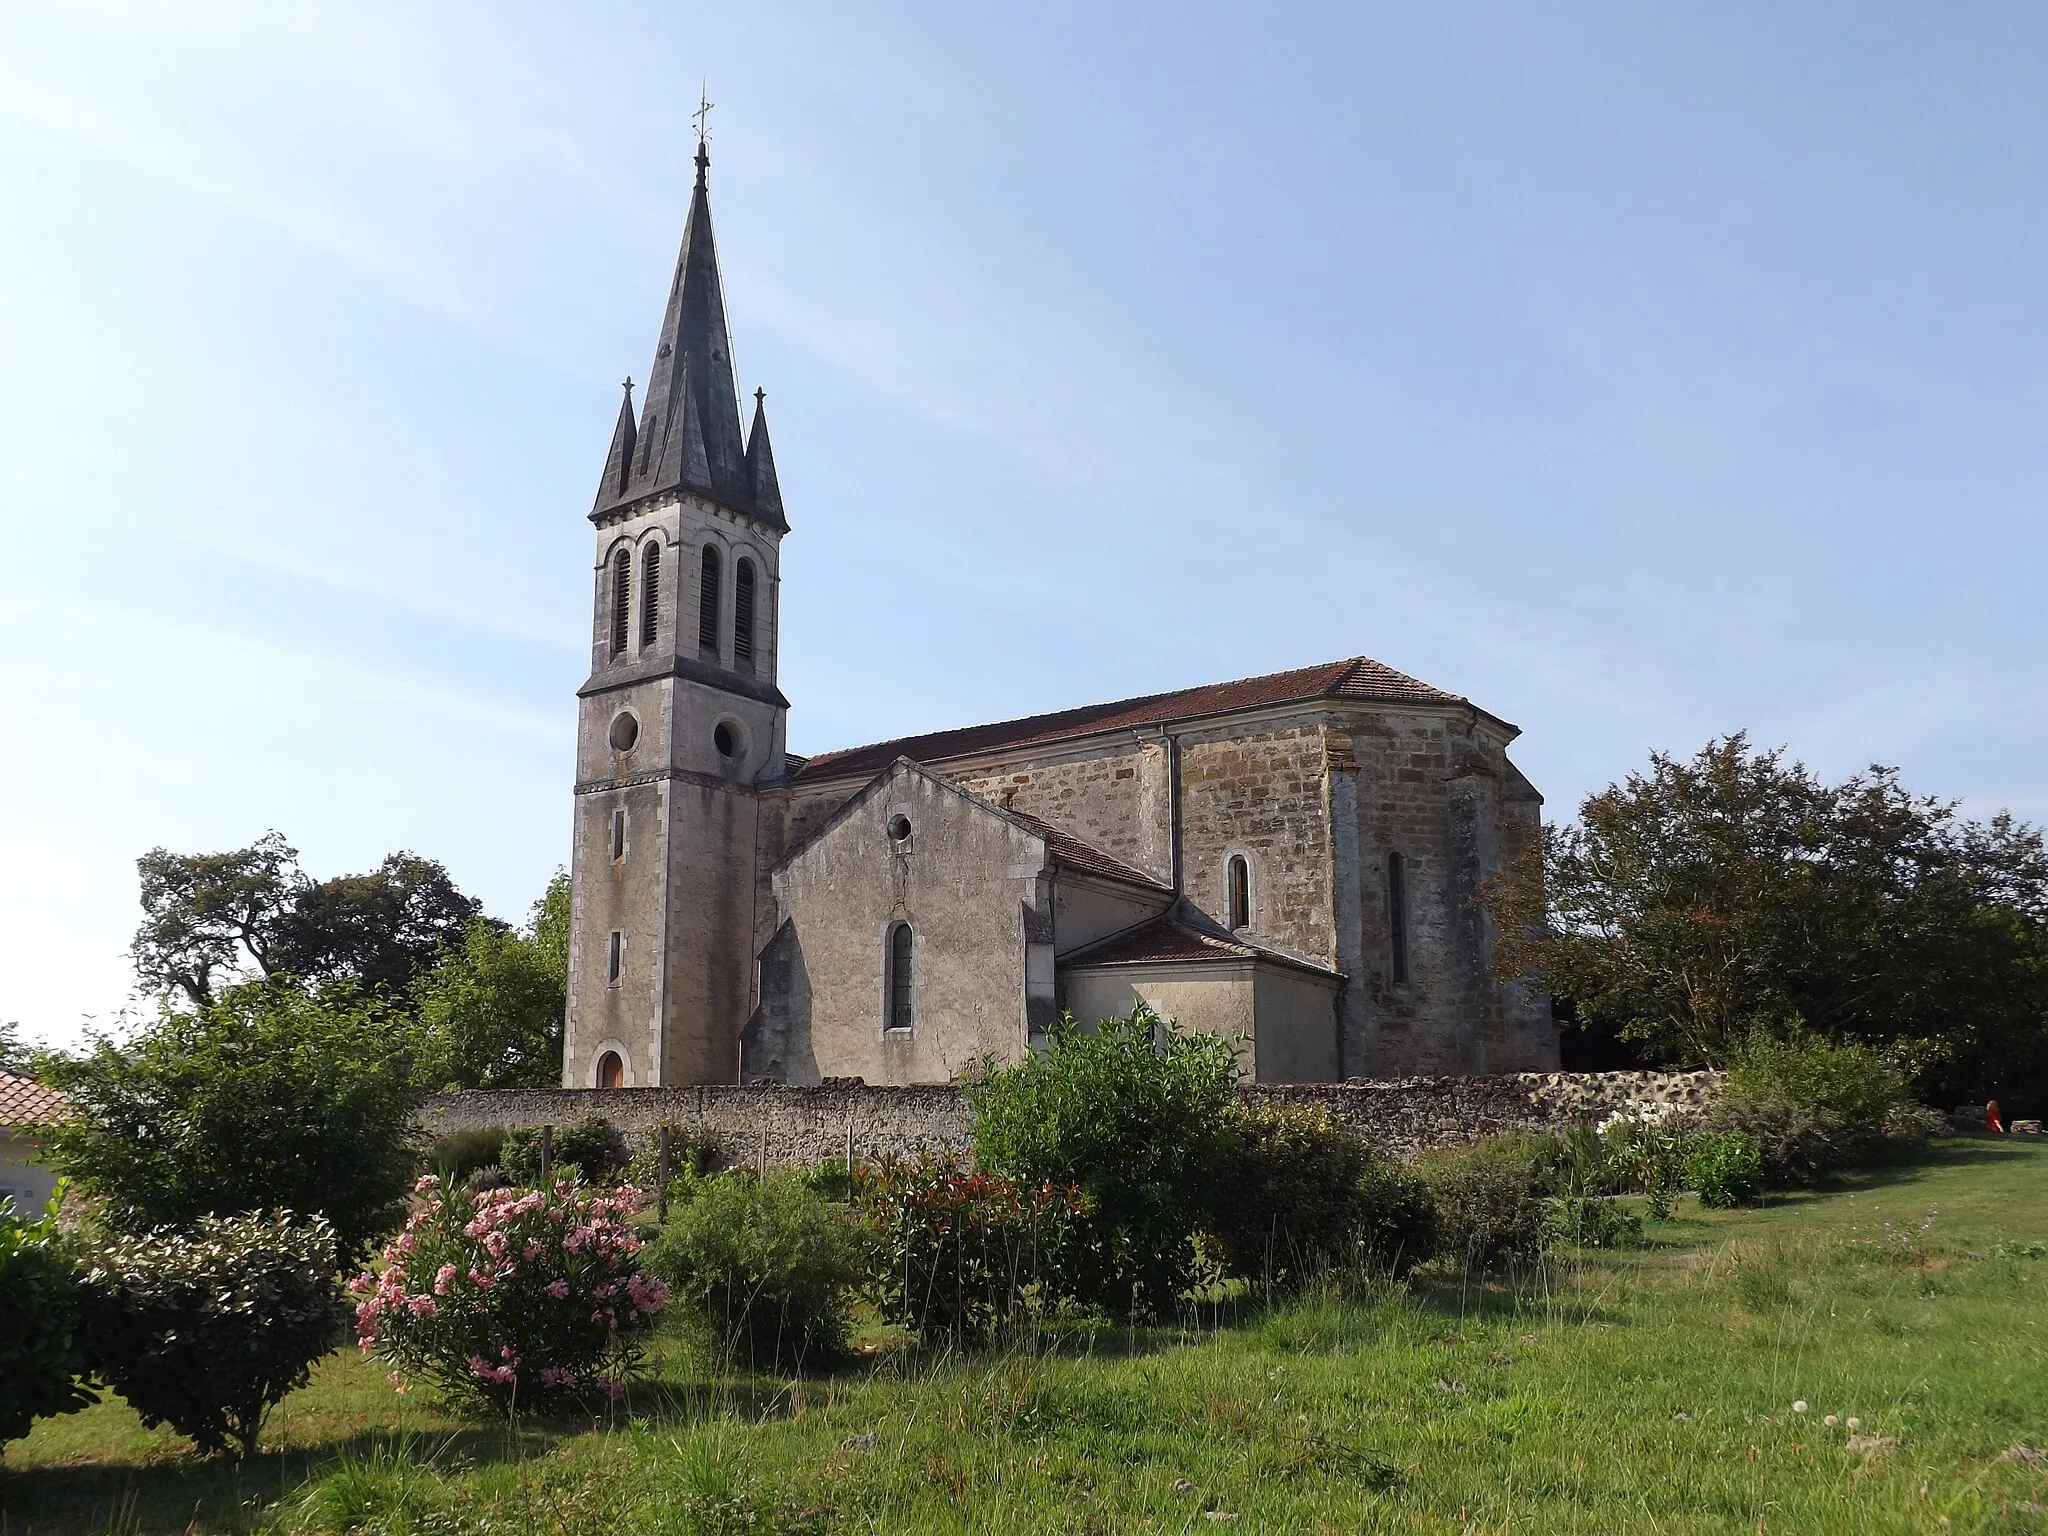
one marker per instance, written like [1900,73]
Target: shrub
[461,1153]
[967,1254]
[1646,1152]
[1292,1196]
[1725,1169]
[1592,1221]
[767,1264]
[266,1100]
[1396,1225]
[206,1330]
[1809,1106]
[694,1152]
[1489,1201]
[1136,1114]
[41,1358]
[512,1296]
[592,1146]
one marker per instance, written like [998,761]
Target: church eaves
[688,435]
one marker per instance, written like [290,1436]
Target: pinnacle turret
[767,491]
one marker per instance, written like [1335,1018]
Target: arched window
[650,594]
[622,600]
[611,1071]
[743,614]
[897,992]
[1240,874]
[1397,918]
[707,603]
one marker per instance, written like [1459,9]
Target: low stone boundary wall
[770,1126]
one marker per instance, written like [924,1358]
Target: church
[1291,861]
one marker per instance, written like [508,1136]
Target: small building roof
[1170,939]
[24,1101]
[1356,678]
[1069,850]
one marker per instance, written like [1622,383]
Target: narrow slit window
[650,595]
[898,1000]
[618,836]
[615,959]
[1240,892]
[743,613]
[622,600]
[1397,918]
[707,604]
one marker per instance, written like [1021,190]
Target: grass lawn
[1639,1391]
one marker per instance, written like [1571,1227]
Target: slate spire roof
[688,434]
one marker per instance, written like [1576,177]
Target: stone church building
[1289,859]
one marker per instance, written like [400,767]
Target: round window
[899,829]
[625,731]
[722,738]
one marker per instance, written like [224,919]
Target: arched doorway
[611,1070]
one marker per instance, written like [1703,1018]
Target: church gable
[914,936]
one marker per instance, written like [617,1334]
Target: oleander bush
[42,1359]
[512,1297]
[968,1255]
[207,1329]
[770,1267]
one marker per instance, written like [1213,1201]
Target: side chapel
[1291,859]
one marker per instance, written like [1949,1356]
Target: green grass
[1645,1391]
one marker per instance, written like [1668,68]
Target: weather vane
[703,112]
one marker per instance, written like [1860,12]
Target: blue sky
[1642,373]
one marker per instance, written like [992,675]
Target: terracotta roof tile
[1169,939]
[1356,677]
[24,1101]
[1071,851]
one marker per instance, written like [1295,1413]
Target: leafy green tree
[214,918]
[265,1099]
[1693,905]
[1137,1114]
[376,931]
[490,1012]
[16,1055]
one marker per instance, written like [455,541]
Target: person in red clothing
[1992,1122]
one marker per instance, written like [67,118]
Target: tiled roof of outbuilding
[24,1101]
[1169,939]
[1355,678]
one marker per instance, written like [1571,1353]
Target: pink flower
[559,1289]
[407,1243]
[425,1182]
[483,1281]
[442,1276]
[422,1306]
[531,1251]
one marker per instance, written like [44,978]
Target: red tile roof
[24,1101]
[1356,678]
[1069,850]
[1168,939]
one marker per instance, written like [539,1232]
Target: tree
[16,1056]
[209,917]
[1137,1114]
[266,1098]
[377,931]
[204,913]
[1706,900]
[490,1013]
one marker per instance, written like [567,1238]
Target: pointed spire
[618,464]
[689,431]
[767,491]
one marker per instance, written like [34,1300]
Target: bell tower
[680,719]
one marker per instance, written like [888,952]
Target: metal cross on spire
[703,113]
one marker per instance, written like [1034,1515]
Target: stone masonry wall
[775,1126]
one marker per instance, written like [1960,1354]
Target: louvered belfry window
[899,1016]
[707,605]
[650,594]
[622,600]
[743,613]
